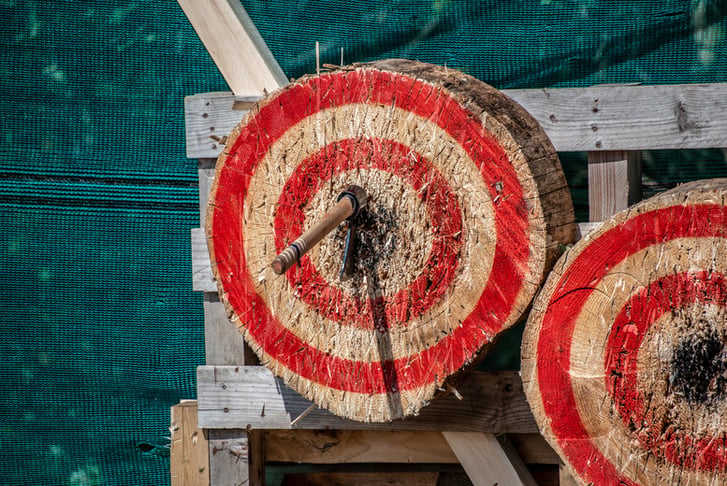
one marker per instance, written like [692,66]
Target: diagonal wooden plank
[485,461]
[235,45]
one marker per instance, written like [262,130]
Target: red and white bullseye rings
[452,247]
[624,356]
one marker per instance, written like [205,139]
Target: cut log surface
[624,355]
[467,209]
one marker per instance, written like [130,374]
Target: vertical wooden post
[233,458]
[248,66]
[235,455]
[614,182]
[189,456]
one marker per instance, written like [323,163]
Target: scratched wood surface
[249,396]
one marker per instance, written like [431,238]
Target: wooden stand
[251,419]
[247,418]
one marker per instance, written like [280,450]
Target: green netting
[101,331]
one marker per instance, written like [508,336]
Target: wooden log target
[467,206]
[624,360]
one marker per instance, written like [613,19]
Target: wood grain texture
[205,176]
[236,458]
[208,120]
[189,456]
[362,479]
[485,461]
[235,45]
[622,117]
[224,344]
[357,446]
[682,116]
[202,280]
[614,182]
[249,396]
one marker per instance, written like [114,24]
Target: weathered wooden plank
[249,396]
[357,446]
[623,117]
[485,461]
[363,478]
[516,461]
[189,457]
[208,119]
[202,280]
[575,119]
[205,177]
[235,458]
[385,446]
[614,182]
[223,342]
[235,45]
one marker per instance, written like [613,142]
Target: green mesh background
[101,332]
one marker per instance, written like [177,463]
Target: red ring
[621,363]
[427,288]
[566,304]
[511,255]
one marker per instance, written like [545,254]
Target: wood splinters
[453,391]
[303,415]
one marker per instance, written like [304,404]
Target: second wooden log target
[625,356]
[467,208]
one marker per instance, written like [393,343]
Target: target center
[698,369]
[392,236]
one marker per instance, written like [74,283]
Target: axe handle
[340,212]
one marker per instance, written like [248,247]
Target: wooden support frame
[238,402]
[614,182]
[614,176]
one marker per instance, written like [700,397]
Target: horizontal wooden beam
[385,446]
[357,446]
[618,117]
[624,117]
[189,446]
[251,397]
